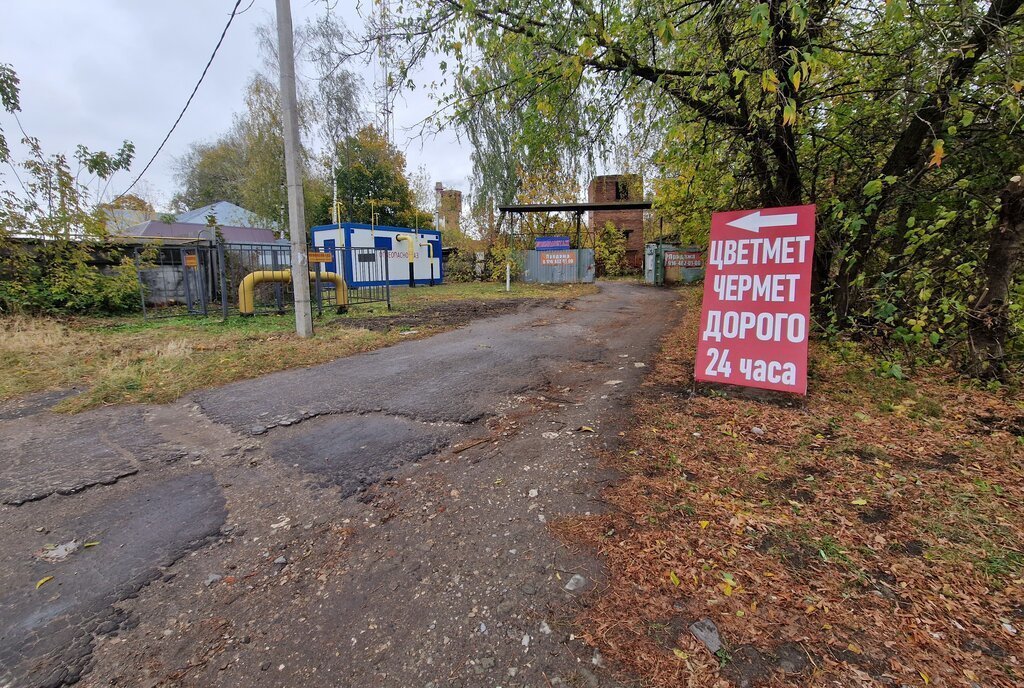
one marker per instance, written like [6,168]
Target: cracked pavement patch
[353,451]
[46,453]
[46,633]
[441,571]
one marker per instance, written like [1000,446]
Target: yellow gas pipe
[412,255]
[247,288]
[430,256]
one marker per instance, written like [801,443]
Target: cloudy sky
[103,71]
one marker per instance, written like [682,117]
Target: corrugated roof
[226,214]
[184,230]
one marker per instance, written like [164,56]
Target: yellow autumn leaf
[726,588]
[796,80]
[704,524]
[855,649]
[91,544]
[43,581]
[924,676]
[1017,86]
[674,578]
[679,653]
[859,502]
[938,153]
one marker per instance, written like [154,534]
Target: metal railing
[206,279]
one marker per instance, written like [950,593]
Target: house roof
[226,214]
[182,230]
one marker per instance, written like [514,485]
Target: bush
[62,277]
[610,251]
[497,258]
[460,267]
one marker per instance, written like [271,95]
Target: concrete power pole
[296,208]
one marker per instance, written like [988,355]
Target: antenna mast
[385,86]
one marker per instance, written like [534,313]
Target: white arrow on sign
[755,221]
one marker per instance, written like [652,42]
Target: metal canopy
[574,207]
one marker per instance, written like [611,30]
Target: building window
[621,191]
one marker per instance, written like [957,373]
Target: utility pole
[296,209]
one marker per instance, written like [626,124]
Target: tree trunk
[988,322]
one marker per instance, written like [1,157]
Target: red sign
[757,299]
[557,257]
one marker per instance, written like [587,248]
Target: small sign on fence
[551,243]
[557,257]
[320,257]
[191,260]
[683,259]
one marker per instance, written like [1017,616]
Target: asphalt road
[380,519]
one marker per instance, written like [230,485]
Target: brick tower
[618,188]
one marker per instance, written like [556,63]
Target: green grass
[131,360]
[404,299]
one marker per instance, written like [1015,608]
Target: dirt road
[379,520]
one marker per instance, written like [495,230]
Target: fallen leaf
[679,653]
[586,428]
[925,677]
[43,581]
[704,524]
[855,649]
[674,578]
[859,502]
[91,544]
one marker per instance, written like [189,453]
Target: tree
[989,322]
[610,250]
[49,229]
[245,166]
[897,119]
[371,179]
[548,184]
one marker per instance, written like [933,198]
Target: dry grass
[129,360]
[877,526]
[126,362]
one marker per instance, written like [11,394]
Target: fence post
[319,300]
[387,277]
[223,279]
[142,287]
[189,304]
[201,272]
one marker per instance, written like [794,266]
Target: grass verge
[872,534]
[131,360]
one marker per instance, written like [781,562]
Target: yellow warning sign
[191,260]
[320,257]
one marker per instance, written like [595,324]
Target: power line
[202,76]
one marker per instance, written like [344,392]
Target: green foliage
[372,183]
[51,239]
[610,251]
[460,267]
[876,114]
[496,260]
[9,101]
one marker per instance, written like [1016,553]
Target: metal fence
[558,267]
[252,279]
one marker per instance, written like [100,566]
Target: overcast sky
[102,71]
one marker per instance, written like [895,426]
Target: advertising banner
[557,257]
[757,298]
[551,243]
